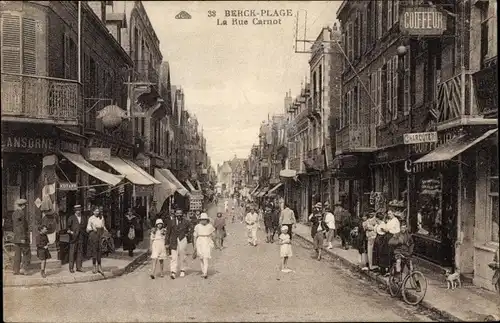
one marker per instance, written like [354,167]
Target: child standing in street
[42,248]
[285,248]
[158,248]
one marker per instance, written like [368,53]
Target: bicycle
[412,284]
[8,250]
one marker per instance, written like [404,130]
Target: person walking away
[203,237]
[369,227]
[42,248]
[268,223]
[330,222]
[318,229]
[285,248]
[21,238]
[76,229]
[378,242]
[345,227]
[251,221]
[220,231]
[360,242]
[130,232]
[157,246]
[96,228]
[178,232]
[392,227]
[287,218]
[275,219]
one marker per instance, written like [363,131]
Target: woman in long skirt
[378,242]
[220,231]
[96,228]
[130,232]
[203,237]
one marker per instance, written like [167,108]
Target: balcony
[145,72]
[356,138]
[40,99]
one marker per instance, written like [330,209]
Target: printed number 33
[211,13]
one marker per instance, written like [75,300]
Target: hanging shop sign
[37,145]
[423,21]
[419,137]
[97,154]
[68,186]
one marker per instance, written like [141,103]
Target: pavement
[115,265]
[469,303]
[244,284]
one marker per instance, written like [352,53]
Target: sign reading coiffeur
[423,21]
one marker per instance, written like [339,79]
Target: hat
[158,221]
[284,228]
[21,201]
[318,205]
[78,206]
[204,216]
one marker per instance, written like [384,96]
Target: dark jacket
[402,243]
[315,223]
[20,226]
[79,229]
[176,231]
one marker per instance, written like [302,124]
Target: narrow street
[242,286]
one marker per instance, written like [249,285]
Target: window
[395,89]
[407,93]
[370,19]
[19,43]
[389,14]
[354,106]
[383,94]
[350,42]
[395,11]
[384,13]
[356,36]
[379,19]
[493,208]
[320,86]
[362,38]
[388,91]
[378,82]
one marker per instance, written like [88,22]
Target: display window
[493,194]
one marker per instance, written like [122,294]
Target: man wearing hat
[21,237]
[287,218]
[178,231]
[251,221]
[330,222]
[318,229]
[77,231]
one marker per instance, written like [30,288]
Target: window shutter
[350,42]
[66,56]
[395,92]
[388,91]
[11,44]
[379,96]
[407,84]
[389,14]
[358,103]
[379,18]
[363,31]
[395,10]
[29,46]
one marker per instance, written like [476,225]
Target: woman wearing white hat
[158,248]
[203,238]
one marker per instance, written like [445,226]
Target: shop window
[430,214]
[493,194]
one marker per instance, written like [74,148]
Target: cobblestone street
[242,286]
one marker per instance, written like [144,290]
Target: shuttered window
[29,46]
[383,93]
[388,91]
[395,9]
[389,14]
[395,91]
[378,82]
[379,20]
[11,44]
[407,92]
[350,41]
[356,36]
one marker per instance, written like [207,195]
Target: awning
[275,188]
[254,190]
[164,190]
[131,171]
[455,147]
[190,186]
[168,175]
[93,171]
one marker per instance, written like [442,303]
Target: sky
[233,76]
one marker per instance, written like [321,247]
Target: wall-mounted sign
[34,144]
[68,186]
[419,137]
[97,154]
[423,21]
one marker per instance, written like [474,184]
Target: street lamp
[401,51]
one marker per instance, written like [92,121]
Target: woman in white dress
[158,249]
[204,242]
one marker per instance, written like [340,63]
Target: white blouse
[95,223]
[392,226]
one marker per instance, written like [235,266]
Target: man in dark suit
[178,232]
[77,231]
[21,238]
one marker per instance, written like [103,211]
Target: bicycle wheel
[414,288]
[394,282]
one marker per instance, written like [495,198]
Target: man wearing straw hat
[21,237]
[77,230]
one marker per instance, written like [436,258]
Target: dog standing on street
[453,280]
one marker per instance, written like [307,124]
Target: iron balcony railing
[356,137]
[42,98]
[145,71]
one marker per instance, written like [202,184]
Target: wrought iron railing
[356,136]
[41,97]
[145,71]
